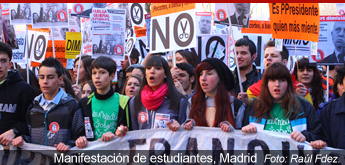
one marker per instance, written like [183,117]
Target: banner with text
[201,145]
[295,21]
[73,44]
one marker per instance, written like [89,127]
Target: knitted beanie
[223,72]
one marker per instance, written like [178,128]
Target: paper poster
[20,13]
[111,45]
[60,46]
[148,26]
[85,9]
[87,36]
[59,33]
[38,42]
[108,21]
[18,54]
[9,31]
[1,28]
[46,15]
[73,45]
[204,22]
[161,120]
[137,12]
[73,23]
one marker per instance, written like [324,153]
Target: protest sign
[141,46]
[129,45]
[85,9]
[8,30]
[148,30]
[46,15]
[108,21]
[139,31]
[60,46]
[73,44]
[59,33]
[205,23]
[202,145]
[137,12]
[260,27]
[20,13]
[87,36]
[295,21]
[331,49]
[37,44]
[172,26]
[111,45]
[73,23]
[340,8]
[18,54]
[1,28]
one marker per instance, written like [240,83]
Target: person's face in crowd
[125,63]
[128,74]
[244,57]
[155,76]
[138,72]
[27,11]
[205,24]
[101,79]
[95,47]
[108,47]
[341,88]
[272,56]
[180,59]
[338,36]
[243,8]
[4,65]
[184,79]
[86,91]
[277,89]
[305,75]
[132,87]
[35,15]
[49,81]
[209,81]
[82,71]
[62,86]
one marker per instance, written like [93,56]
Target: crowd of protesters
[152,95]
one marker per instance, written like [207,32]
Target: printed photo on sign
[108,45]
[204,22]
[239,14]
[59,33]
[128,17]
[46,15]
[1,29]
[87,36]
[20,13]
[85,9]
[8,29]
[161,120]
[331,46]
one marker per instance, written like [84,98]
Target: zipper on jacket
[45,125]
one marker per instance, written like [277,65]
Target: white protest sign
[129,45]
[172,27]
[20,13]
[18,54]
[137,12]
[38,42]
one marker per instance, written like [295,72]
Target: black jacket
[15,97]
[252,77]
[332,117]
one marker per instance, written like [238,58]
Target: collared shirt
[48,104]
[337,53]
[244,20]
[2,81]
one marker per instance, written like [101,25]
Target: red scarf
[153,99]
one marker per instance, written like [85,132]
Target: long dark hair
[87,60]
[222,101]
[263,104]
[173,95]
[317,92]
[189,56]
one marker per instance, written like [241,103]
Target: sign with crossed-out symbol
[137,13]
[184,34]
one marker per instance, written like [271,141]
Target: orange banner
[158,9]
[46,30]
[59,51]
[258,27]
[140,31]
[295,21]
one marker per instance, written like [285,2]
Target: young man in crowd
[246,55]
[332,117]
[185,80]
[104,111]
[15,97]
[55,118]
[272,56]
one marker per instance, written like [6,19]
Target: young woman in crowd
[87,89]
[132,86]
[279,109]
[158,104]
[212,103]
[310,76]
[84,73]
[185,56]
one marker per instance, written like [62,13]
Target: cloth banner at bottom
[202,145]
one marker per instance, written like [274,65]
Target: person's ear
[60,80]
[254,56]
[191,79]
[112,76]
[285,61]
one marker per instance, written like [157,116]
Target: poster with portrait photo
[73,23]
[20,13]
[331,45]
[111,45]
[87,35]
[85,9]
[8,30]
[205,22]
[59,33]
[239,14]
[46,15]
[1,28]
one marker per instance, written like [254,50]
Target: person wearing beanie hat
[213,105]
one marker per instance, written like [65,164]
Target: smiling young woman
[279,109]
